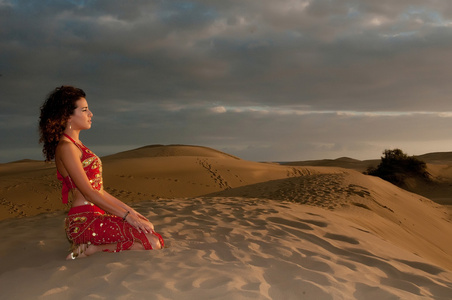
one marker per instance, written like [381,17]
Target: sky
[264,80]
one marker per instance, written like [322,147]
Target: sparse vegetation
[396,167]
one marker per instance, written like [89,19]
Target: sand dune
[342,162]
[439,166]
[234,230]
[169,150]
[222,248]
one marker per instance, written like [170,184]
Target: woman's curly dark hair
[55,112]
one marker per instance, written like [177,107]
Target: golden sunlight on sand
[234,229]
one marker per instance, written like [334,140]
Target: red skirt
[88,224]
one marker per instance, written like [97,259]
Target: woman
[96,221]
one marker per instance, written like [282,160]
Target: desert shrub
[396,167]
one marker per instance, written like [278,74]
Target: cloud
[165,66]
[218,109]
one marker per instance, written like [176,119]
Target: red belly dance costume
[89,224]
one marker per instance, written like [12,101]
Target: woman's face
[81,117]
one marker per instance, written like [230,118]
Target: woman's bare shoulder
[66,147]
[63,145]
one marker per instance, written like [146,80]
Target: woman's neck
[74,134]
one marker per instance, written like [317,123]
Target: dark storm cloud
[226,73]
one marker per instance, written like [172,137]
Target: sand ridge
[234,229]
[223,248]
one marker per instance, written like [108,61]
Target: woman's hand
[141,223]
[144,218]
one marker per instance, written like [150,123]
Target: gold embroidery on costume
[88,161]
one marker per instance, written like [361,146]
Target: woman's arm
[69,156]
[118,202]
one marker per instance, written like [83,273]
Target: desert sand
[233,229]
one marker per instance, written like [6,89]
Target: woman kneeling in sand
[96,221]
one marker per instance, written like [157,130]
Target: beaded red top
[93,169]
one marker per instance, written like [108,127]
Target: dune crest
[170,150]
[235,229]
